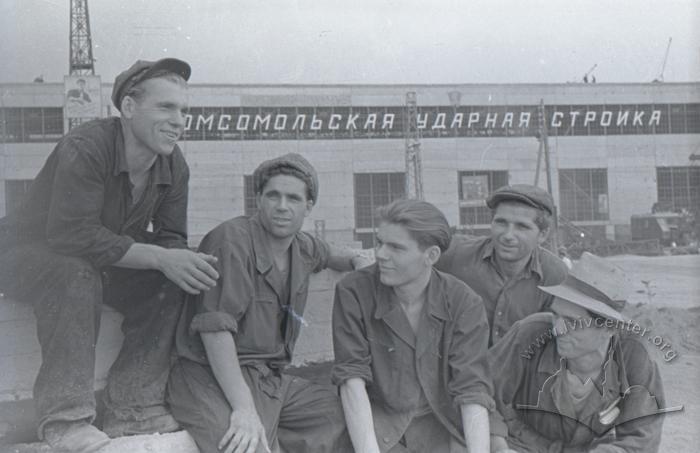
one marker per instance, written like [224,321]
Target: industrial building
[615,149]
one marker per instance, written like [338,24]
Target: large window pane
[373,190]
[583,194]
[678,188]
[474,188]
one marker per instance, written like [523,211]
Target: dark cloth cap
[295,161]
[143,70]
[523,193]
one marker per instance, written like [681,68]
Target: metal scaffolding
[81,61]
[414,165]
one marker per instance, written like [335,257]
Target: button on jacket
[529,372]
[372,340]
[248,299]
[80,203]
[472,260]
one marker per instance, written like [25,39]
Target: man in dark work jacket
[105,221]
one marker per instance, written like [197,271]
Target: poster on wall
[83,96]
[475,187]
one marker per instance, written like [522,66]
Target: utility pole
[414,165]
[542,136]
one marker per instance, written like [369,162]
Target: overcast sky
[364,41]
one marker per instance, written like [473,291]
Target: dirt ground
[664,298]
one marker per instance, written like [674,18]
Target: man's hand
[191,271]
[245,432]
[363,258]
[500,445]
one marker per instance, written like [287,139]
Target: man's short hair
[425,223]
[291,164]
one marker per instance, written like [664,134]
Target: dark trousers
[67,294]
[299,416]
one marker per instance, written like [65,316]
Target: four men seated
[105,222]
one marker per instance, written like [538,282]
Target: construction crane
[660,78]
[414,165]
[80,60]
[589,73]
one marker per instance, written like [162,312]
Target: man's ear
[542,236]
[128,106]
[309,207]
[433,254]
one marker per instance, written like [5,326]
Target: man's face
[399,257]
[576,334]
[283,205]
[158,118]
[514,232]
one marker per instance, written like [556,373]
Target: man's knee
[78,278]
[65,284]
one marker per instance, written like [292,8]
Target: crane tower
[81,61]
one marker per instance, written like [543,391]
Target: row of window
[31,124]
[583,194]
[45,124]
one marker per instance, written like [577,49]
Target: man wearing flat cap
[578,378]
[228,387]
[507,267]
[105,221]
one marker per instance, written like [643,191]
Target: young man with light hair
[105,221]
[410,344]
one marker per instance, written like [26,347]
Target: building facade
[615,149]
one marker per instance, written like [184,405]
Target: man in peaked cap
[228,388]
[105,221]
[507,267]
[564,379]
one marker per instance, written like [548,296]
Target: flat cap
[143,70]
[523,193]
[300,167]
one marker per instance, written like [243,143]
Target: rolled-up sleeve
[222,307]
[470,381]
[350,343]
[316,249]
[74,226]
